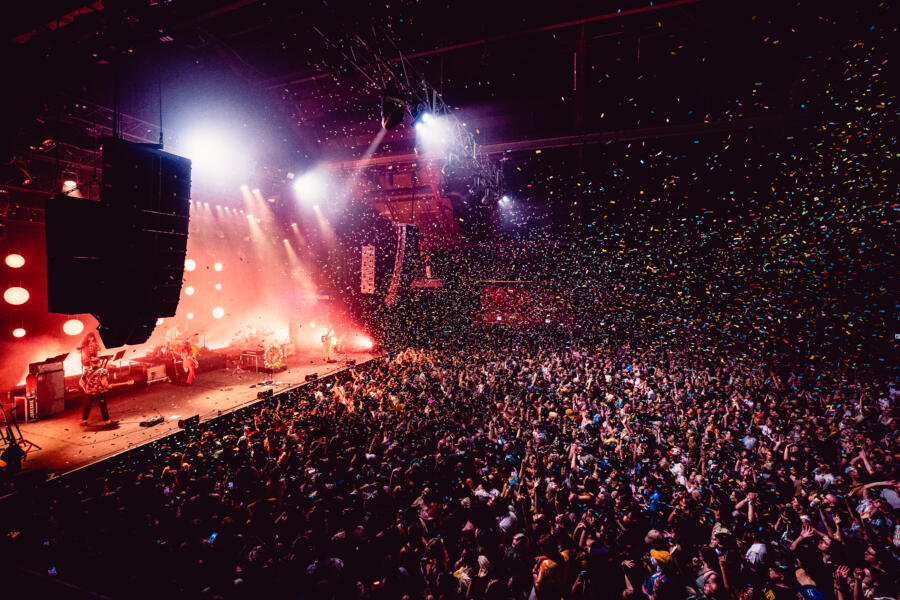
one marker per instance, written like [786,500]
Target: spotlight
[392,112]
[189,290]
[190,265]
[15,261]
[218,312]
[433,134]
[159,321]
[218,286]
[310,186]
[217,266]
[216,155]
[70,181]
[245,187]
[190,315]
[505,200]
[73,327]
[16,295]
[18,332]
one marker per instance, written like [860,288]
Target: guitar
[121,383]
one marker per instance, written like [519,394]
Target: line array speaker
[122,259]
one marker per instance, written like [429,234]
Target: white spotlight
[311,186]
[217,266]
[216,157]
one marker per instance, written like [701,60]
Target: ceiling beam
[299,77]
[587,139]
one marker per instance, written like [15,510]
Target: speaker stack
[122,259]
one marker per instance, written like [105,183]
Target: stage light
[255,190]
[73,327]
[433,134]
[218,312]
[217,266]
[189,290]
[18,332]
[190,315]
[159,321]
[365,343]
[505,200]
[312,324]
[218,286]
[392,112]
[245,187]
[70,181]
[216,156]
[311,186]
[15,261]
[16,295]
[190,265]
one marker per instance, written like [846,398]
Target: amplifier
[45,394]
[250,360]
[156,373]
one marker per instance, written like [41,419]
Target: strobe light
[392,112]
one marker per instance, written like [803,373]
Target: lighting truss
[397,78]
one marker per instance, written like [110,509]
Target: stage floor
[66,446]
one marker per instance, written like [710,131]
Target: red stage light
[366,343]
[16,295]
[73,327]
[18,332]
[190,265]
[190,315]
[218,312]
[189,290]
[218,286]
[15,261]
[217,266]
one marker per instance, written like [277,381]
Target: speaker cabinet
[122,259]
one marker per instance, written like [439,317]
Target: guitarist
[95,383]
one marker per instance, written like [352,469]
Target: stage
[66,446]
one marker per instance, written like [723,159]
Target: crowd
[506,471]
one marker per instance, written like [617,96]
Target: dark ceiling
[509,66]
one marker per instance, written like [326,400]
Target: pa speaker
[122,259]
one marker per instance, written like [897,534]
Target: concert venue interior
[484,300]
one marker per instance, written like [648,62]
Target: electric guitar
[121,383]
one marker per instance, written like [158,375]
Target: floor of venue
[66,446]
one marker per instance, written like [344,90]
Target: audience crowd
[510,471]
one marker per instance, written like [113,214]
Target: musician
[90,348]
[189,360]
[327,341]
[95,383]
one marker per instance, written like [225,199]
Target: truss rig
[405,91]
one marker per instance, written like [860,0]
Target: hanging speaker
[122,259]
